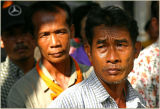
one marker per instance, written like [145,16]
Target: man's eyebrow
[61,29]
[42,33]
[121,40]
[101,41]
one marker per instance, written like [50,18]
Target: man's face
[18,43]
[52,34]
[112,54]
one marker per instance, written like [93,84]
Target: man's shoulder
[27,79]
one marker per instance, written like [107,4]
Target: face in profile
[53,34]
[18,43]
[112,54]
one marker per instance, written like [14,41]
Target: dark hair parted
[110,16]
[49,6]
[155,9]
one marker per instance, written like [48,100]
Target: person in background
[79,19]
[19,45]
[56,70]
[112,48]
[145,75]
[152,35]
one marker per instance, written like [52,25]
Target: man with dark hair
[112,48]
[56,70]
[145,75]
[19,45]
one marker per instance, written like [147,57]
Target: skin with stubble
[53,33]
[112,55]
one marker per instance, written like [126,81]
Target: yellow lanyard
[53,86]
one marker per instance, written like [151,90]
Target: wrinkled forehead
[110,32]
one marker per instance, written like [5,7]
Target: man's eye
[44,34]
[61,32]
[100,46]
[121,44]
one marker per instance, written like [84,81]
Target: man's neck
[25,65]
[117,92]
[59,71]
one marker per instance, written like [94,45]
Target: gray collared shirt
[32,92]
[91,94]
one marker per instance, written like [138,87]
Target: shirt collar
[132,98]
[73,77]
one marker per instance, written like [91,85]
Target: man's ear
[72,28]
[2,44]
[88,51]
[137,49]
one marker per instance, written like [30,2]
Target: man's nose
[112,56]
[19,38]
[54,41]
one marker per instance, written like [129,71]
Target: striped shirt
[91,94]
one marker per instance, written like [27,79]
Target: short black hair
[110,16]
[49,6]
[155,9]
[79,13]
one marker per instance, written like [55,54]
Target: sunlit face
[18,43]
[52,34]
[112,54]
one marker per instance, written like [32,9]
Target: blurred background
[140,10]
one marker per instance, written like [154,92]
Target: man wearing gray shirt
[112,48]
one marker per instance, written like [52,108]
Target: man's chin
[58,60]
[23,59]
[116,82]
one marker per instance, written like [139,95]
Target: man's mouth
[113,71]
[21,49]
[57,54]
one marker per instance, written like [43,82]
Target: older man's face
[53,34]
[112,54]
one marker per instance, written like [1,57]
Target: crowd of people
[88,58]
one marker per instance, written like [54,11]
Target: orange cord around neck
[53,86]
